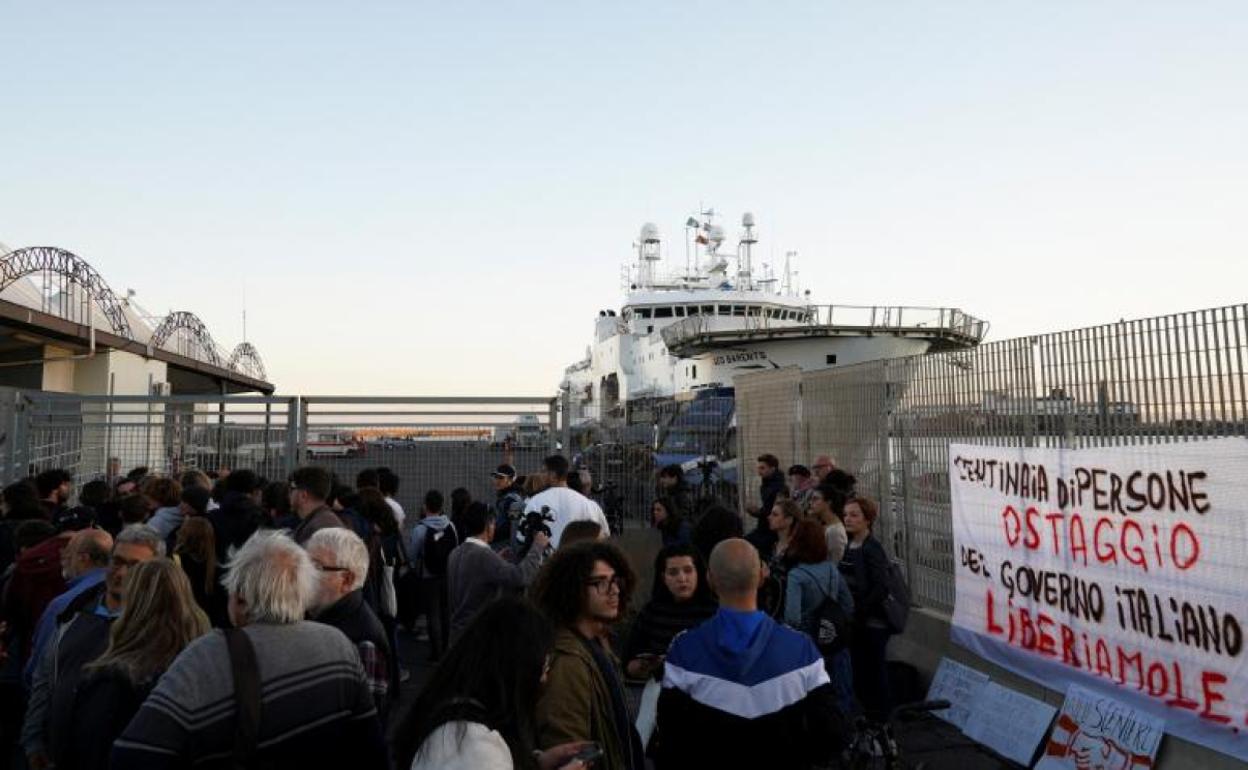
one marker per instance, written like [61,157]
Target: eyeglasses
[329,567]
[604,585]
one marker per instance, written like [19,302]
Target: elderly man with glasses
[341,561]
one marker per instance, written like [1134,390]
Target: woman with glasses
[477,711]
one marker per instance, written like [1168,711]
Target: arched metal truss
[246,360]
[201,347]
[67,269]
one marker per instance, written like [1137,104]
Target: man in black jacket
[770,486]
[341,561]
[740,690]
[240,514]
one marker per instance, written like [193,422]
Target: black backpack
[831,624]
[438,546]
[897,603]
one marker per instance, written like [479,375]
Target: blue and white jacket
[744,691]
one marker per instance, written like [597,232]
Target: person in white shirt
[388,483]
[565,504]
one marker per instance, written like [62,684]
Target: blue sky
[426,198]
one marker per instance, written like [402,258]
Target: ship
[666,360]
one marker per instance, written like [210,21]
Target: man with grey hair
[276,690]
[741,690]
[341,559]
[84,563]
[81,636]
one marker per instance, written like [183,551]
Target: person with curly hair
[584,589]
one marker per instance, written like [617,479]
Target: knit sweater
[316,709]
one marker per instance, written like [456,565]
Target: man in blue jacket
[742,690]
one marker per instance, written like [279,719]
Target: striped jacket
[742,691]
[316,707]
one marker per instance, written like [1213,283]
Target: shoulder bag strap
[246,696]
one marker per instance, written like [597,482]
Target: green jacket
[576,704]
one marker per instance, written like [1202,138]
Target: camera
[529,524]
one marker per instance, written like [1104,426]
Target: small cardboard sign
[1095,732]
[1008,722]
[961,686]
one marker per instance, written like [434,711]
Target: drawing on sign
[1094,732]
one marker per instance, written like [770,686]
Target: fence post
[565,424]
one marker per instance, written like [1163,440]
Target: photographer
[672,486]
[476,575]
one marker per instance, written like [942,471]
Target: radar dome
[649,233]
[715,234]
[747,219]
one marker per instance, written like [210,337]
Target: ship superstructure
[681,332]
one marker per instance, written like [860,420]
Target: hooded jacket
[416,544]
[743,691]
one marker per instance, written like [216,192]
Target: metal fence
[1149,381]
[430,442]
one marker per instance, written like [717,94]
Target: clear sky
[436,198]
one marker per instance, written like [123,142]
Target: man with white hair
[341,559]
[274,691]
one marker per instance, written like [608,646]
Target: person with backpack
[866,570]
[818,602]
[433,539]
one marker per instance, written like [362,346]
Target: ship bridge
[942,328]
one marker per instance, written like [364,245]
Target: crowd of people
[228,620]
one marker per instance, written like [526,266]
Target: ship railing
[938,321]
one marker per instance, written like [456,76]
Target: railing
[938,321]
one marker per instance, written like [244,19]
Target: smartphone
[591,752]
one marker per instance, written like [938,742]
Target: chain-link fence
[1157,380]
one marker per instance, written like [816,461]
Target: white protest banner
[1094,731]
[961,686]
[1008,722]
[1120,569]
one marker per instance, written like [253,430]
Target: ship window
[643,312]
[725,310]
[831,358]
[756,311]
[692,310]
[708,310]
[738,310]
[650,329]
[680,311]
[662,312]
[695,371]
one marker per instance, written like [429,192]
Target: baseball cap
[504,471]
[74,519]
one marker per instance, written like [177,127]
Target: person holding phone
[477,711]
[584,589]
[679,601]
